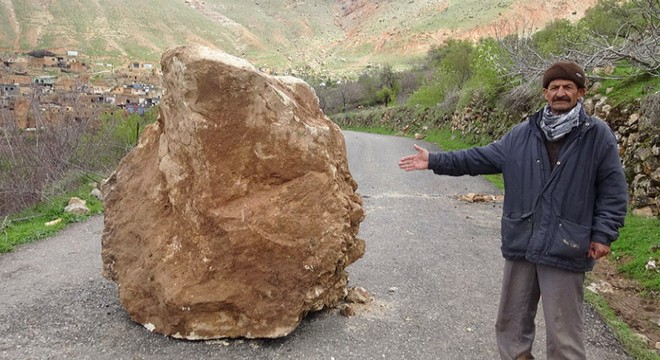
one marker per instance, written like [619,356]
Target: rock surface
[236,214]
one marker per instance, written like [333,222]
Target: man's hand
[419,161]
[598,250]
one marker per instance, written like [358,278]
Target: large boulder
[236,214]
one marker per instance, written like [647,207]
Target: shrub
[555,38]
[55,156]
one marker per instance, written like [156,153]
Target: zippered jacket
[551,215]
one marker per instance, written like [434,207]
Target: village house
[45,83]
[7,90]
[123,100]
[100,89]
[98,99]
[144,66]
[61,97]
[15,62]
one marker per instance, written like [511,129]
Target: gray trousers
[562,292]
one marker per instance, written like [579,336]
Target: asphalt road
[432,264]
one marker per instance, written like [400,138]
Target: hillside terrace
[44,86]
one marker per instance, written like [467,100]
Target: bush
[430,94]
[523,98]
[606,18]
[52,159]
[555,38]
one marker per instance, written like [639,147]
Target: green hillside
[332,34]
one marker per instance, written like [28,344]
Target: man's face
[562,95]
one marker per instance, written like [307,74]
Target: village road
[432,264]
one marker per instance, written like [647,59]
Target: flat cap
[565,70]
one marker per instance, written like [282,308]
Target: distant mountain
[320,34]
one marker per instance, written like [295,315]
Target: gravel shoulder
[432,265]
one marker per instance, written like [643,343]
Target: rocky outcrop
[236,214]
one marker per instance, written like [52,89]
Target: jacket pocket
[571,240]
[516,233]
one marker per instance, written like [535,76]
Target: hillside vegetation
[338,35]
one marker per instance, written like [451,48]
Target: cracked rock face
[236,214]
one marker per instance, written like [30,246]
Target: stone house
[45,80]
[16,61]
[50,61]
[7,90]
[98,99]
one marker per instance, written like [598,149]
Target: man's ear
[581,92]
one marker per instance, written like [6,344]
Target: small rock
[644,212]
[650,265]
[346,310]
[657,345]
[656,175]
[634,118]
[77,206]
[419,136]
[393,289]
[53,223]
[601,287]
[97,194]
[358,295]
[643,337]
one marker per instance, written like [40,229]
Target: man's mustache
[561,98]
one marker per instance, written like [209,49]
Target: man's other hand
[598,250]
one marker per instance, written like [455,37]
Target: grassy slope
[279,33]
[6,30]
[142,30]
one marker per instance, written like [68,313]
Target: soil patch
[641,313]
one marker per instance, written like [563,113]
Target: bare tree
[635,40]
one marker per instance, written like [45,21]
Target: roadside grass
[30,224]
[631,342]
[630,88]
[638,243]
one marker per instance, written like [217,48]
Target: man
[565,199]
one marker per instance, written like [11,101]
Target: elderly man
[566,198]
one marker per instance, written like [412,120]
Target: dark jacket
[551,215]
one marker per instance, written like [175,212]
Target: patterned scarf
[556,126]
